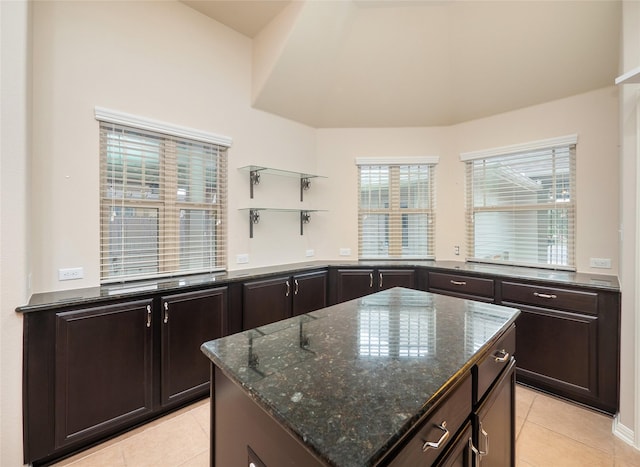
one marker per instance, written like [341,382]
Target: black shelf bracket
[305,216]
[305,183]
[254,179]
[254,218]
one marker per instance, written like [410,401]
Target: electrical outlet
[456,250]
[242,259]
[310,253]
[602,263]
[345,251]
[68,274]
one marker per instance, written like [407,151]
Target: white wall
[14,228]
[164,61]
[628,420]
[592,116]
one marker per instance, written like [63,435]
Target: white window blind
[396,216]
[521,207]
[163,204]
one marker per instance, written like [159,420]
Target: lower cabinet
[494,423]
[568,341]
[461,286]
[188,320]
[350,283]
[93,371]
[269,300]
[103,369]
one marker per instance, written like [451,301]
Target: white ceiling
[357,63]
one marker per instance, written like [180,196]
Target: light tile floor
[549,433]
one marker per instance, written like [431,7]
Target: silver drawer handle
[544,295]
[475,453]
[458,282]
[501,356]
[148,316]
[485,435]
[166,312]
[288,289]
[443,438]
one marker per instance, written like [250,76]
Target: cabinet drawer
[450,414]
[551,297]
[461,284]
[488,369]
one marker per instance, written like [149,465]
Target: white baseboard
[623,432]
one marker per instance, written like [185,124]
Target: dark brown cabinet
[494,423]
[567,342]
[350,283]
[103,369]
[189,320]
[462,286]
[270,300]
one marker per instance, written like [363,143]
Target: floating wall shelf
[630,77]
[254,216]
[255,171]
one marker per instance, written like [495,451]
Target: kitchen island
[400,377]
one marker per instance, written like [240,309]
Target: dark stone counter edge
[412,422]
[131,290]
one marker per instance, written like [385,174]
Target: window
[521,204]
[162,202]
[395,213]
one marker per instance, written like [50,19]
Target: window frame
[397,215]
[172,139]
[564,143]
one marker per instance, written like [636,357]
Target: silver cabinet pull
[458,282]
[166,312]
[485,435]
[443,438]
[501,356]
[370,280]
[295,292]
[380,280]
[544,295]
[475,453]
[148,316]
[288,289]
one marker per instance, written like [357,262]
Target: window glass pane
[133,166]
[414,187]
[374,187]
[197,173]
[132,241]
[375,235]
[415,240]
[197,238]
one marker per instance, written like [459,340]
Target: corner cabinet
[350,283]
[269,300]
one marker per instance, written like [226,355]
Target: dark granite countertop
[60,299]
[349,380]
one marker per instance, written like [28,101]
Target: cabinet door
[103,369]
[309,292]
[354,283]
[189,320]
[266,301]
[389,278]
[459,454]
[558,350]
[494,431]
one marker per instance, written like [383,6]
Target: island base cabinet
[494,424]
[103,369]
[242,432]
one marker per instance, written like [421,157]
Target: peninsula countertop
[350,380]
